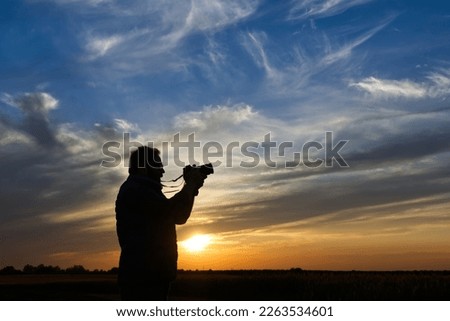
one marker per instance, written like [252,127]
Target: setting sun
[196,243]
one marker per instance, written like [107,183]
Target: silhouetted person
[146,230]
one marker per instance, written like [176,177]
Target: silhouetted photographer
[146,222]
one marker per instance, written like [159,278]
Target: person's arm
[181,203]
[177,208]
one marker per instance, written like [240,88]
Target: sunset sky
[374,74]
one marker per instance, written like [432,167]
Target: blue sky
[76,74]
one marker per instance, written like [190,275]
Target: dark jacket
[146,222]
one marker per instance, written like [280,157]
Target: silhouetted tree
[10,270]
[41,269]
[29,269]
[50,269]
[76,269]
[47,269]
[113,270]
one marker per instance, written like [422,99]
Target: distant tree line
[79,269]
[50,269]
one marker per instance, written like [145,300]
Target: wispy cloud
[154,40]
[35,108]
[391,88]
[207,14]
[345,51]
[438,85]
[215,54]
[292,68]
[210,118]
[254,44]
[98,47]
[321,8]
[40,102]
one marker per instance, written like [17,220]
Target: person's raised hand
[194,178]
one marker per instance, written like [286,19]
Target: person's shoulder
[142,183]
[129,184]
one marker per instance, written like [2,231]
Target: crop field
[242,285]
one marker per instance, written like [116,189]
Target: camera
[206,169]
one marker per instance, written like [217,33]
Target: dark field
[242,285]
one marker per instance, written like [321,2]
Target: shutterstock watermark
[246,154]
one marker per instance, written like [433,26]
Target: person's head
[146,161]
